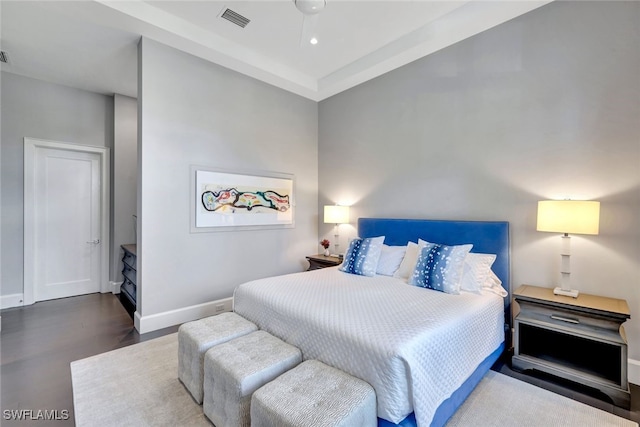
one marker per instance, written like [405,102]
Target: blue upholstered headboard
[490,237]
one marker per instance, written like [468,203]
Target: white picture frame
[225,200]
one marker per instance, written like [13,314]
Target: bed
[423,351]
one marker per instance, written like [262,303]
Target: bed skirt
[451,405]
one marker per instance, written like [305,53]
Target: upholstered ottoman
[314,395]
[235,369]
[195,338]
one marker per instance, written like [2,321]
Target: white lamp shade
[569,216]
[336,214]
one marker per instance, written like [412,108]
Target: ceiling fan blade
[309,30]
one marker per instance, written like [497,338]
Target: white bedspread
[414,346]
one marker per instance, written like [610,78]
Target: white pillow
[492,280]
[390,259]
[476,271]
[494,284]
[408,263]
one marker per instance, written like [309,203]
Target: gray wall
[193,112]
[545,106]
[124,177]
[33,108]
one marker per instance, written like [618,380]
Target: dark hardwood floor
[38,342]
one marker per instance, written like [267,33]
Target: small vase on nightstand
[327,252]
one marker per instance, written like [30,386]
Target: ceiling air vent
[4,57]
[235,18]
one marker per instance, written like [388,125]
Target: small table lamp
[334,214]
[568,216]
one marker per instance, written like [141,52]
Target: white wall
[125,178]
[193,112]
[33,108]
[544,106]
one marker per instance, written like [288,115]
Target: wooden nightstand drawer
[569,320]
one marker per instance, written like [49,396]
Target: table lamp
[334,214]
[568,216]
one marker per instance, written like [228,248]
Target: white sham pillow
[492,280]
[476,271]
[390,259]
[409,261]
[494,284]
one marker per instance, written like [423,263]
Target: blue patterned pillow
[440,267]
[362,256]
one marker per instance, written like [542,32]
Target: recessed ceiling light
[310,7]
[313,41]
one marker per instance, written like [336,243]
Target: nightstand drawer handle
[565,319]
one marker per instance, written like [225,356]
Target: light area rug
[138,386]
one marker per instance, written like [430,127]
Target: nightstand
[579,339]
[319,261]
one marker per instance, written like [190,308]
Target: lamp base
[566,292]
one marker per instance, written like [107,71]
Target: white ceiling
[92,44]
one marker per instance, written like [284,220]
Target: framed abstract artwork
[228,200]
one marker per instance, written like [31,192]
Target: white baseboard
[136,321]
[634,371]
[157,321]
[114,287]
[12,300]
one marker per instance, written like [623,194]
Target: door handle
[95,242]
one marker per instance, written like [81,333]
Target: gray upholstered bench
[314,395]
[237,368]
[195,338]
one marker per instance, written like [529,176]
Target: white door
[63,221]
